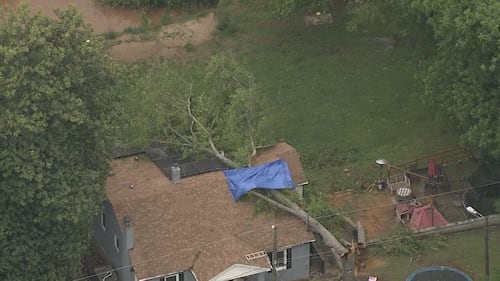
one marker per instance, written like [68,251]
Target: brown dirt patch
[325,18]
[374,262]
[101,19]
[172,41]
[375,210]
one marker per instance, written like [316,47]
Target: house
[287,153]
[151,229]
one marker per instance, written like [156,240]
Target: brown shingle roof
[192,224]
[285,152]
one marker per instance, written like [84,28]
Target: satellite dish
[381,161]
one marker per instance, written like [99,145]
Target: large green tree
[56,104]
[216,107]
[461,76]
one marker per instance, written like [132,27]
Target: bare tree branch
[191,129]
[190,112]
[175,143]
[254,151]
[180,136]
[252,144]
[219,155]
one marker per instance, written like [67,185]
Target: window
[173,277]
[117,244]
[103,220]
[284,259]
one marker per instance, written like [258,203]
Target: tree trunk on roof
[337,249]
[206,132]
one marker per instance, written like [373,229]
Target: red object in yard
[425,217]
[404,208]
[432,170]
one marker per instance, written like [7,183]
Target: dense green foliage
[55,125]
[404,243]
[159,3]
[462,75]
[214,105]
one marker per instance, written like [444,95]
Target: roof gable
[285,152]
[236,271]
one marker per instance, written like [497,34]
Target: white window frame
[117,244]
[284,264]
[285,260]
[103,220]
[165,278]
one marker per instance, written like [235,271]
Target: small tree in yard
[57,102]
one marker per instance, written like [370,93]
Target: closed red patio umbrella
[432,170]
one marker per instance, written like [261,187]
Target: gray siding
[189,276]
[257,277]
[104,240]
[300,265]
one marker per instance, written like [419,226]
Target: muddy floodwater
[100,18]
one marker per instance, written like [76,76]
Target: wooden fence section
[444,156]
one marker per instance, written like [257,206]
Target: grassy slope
[329,89]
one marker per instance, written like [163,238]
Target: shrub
[226,26]
[189,47]
[165,20]
[110,35]
[404,243]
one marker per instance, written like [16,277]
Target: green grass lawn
[464,251]
[338,95]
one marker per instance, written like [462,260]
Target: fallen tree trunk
[337,249]
[200,137]
[285,204]
[315,226]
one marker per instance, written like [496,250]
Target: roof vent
[175,173]
[255,255]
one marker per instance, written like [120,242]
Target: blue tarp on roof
[272,175]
